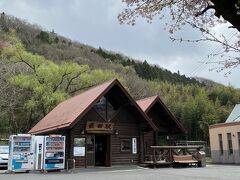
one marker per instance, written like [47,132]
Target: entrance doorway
[102,150]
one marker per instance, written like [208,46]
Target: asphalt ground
[211,172]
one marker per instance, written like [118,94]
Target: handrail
[73,168]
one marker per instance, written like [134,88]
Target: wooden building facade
[163,119]
[103,126]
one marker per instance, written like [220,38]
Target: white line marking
[124,170]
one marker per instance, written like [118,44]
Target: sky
[94,22]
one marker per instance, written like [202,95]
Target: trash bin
[201,157]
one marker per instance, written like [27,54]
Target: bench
[184,160]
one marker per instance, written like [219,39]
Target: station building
[105,126]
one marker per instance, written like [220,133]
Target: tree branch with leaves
[46,82]
[202,15]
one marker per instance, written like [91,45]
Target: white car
[4,151]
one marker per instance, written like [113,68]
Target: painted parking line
[126,170]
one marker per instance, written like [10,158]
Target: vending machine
[21,153]
[54,152]
[39,152]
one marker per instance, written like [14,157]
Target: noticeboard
[79,147]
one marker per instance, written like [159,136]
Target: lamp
[82,131]
[116,132]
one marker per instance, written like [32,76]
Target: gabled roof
[234,115]
[66,113]
[147,103]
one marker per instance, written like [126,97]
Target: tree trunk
[228,10]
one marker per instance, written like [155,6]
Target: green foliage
[145,70]
[44,37]
[195,106]
[56,40]
[3,23]
[46,82]
[32,85]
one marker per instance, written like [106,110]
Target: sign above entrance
[98,127]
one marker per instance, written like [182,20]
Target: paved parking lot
[211,172]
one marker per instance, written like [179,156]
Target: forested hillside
[39,69]
[145,70]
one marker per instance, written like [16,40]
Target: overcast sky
[94,22]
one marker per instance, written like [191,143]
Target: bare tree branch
[70,81]
[61,81]
[205,10]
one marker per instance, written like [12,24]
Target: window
[105,109]
[220,143]
[126,145]
[229,139]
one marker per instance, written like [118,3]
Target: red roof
[66,113]
[146,104]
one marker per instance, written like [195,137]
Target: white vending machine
[39,152]
[54,152]
[21,153]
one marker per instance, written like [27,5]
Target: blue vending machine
[21,153]
[54,152]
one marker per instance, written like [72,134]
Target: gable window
[220,143]
[105,109]
[126,145]
[229,139]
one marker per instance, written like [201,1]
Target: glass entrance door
[102,150]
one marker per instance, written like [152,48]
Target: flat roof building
[225,139]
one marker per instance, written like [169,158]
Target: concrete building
[225,139]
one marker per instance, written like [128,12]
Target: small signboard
[134,145]
[98,127]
